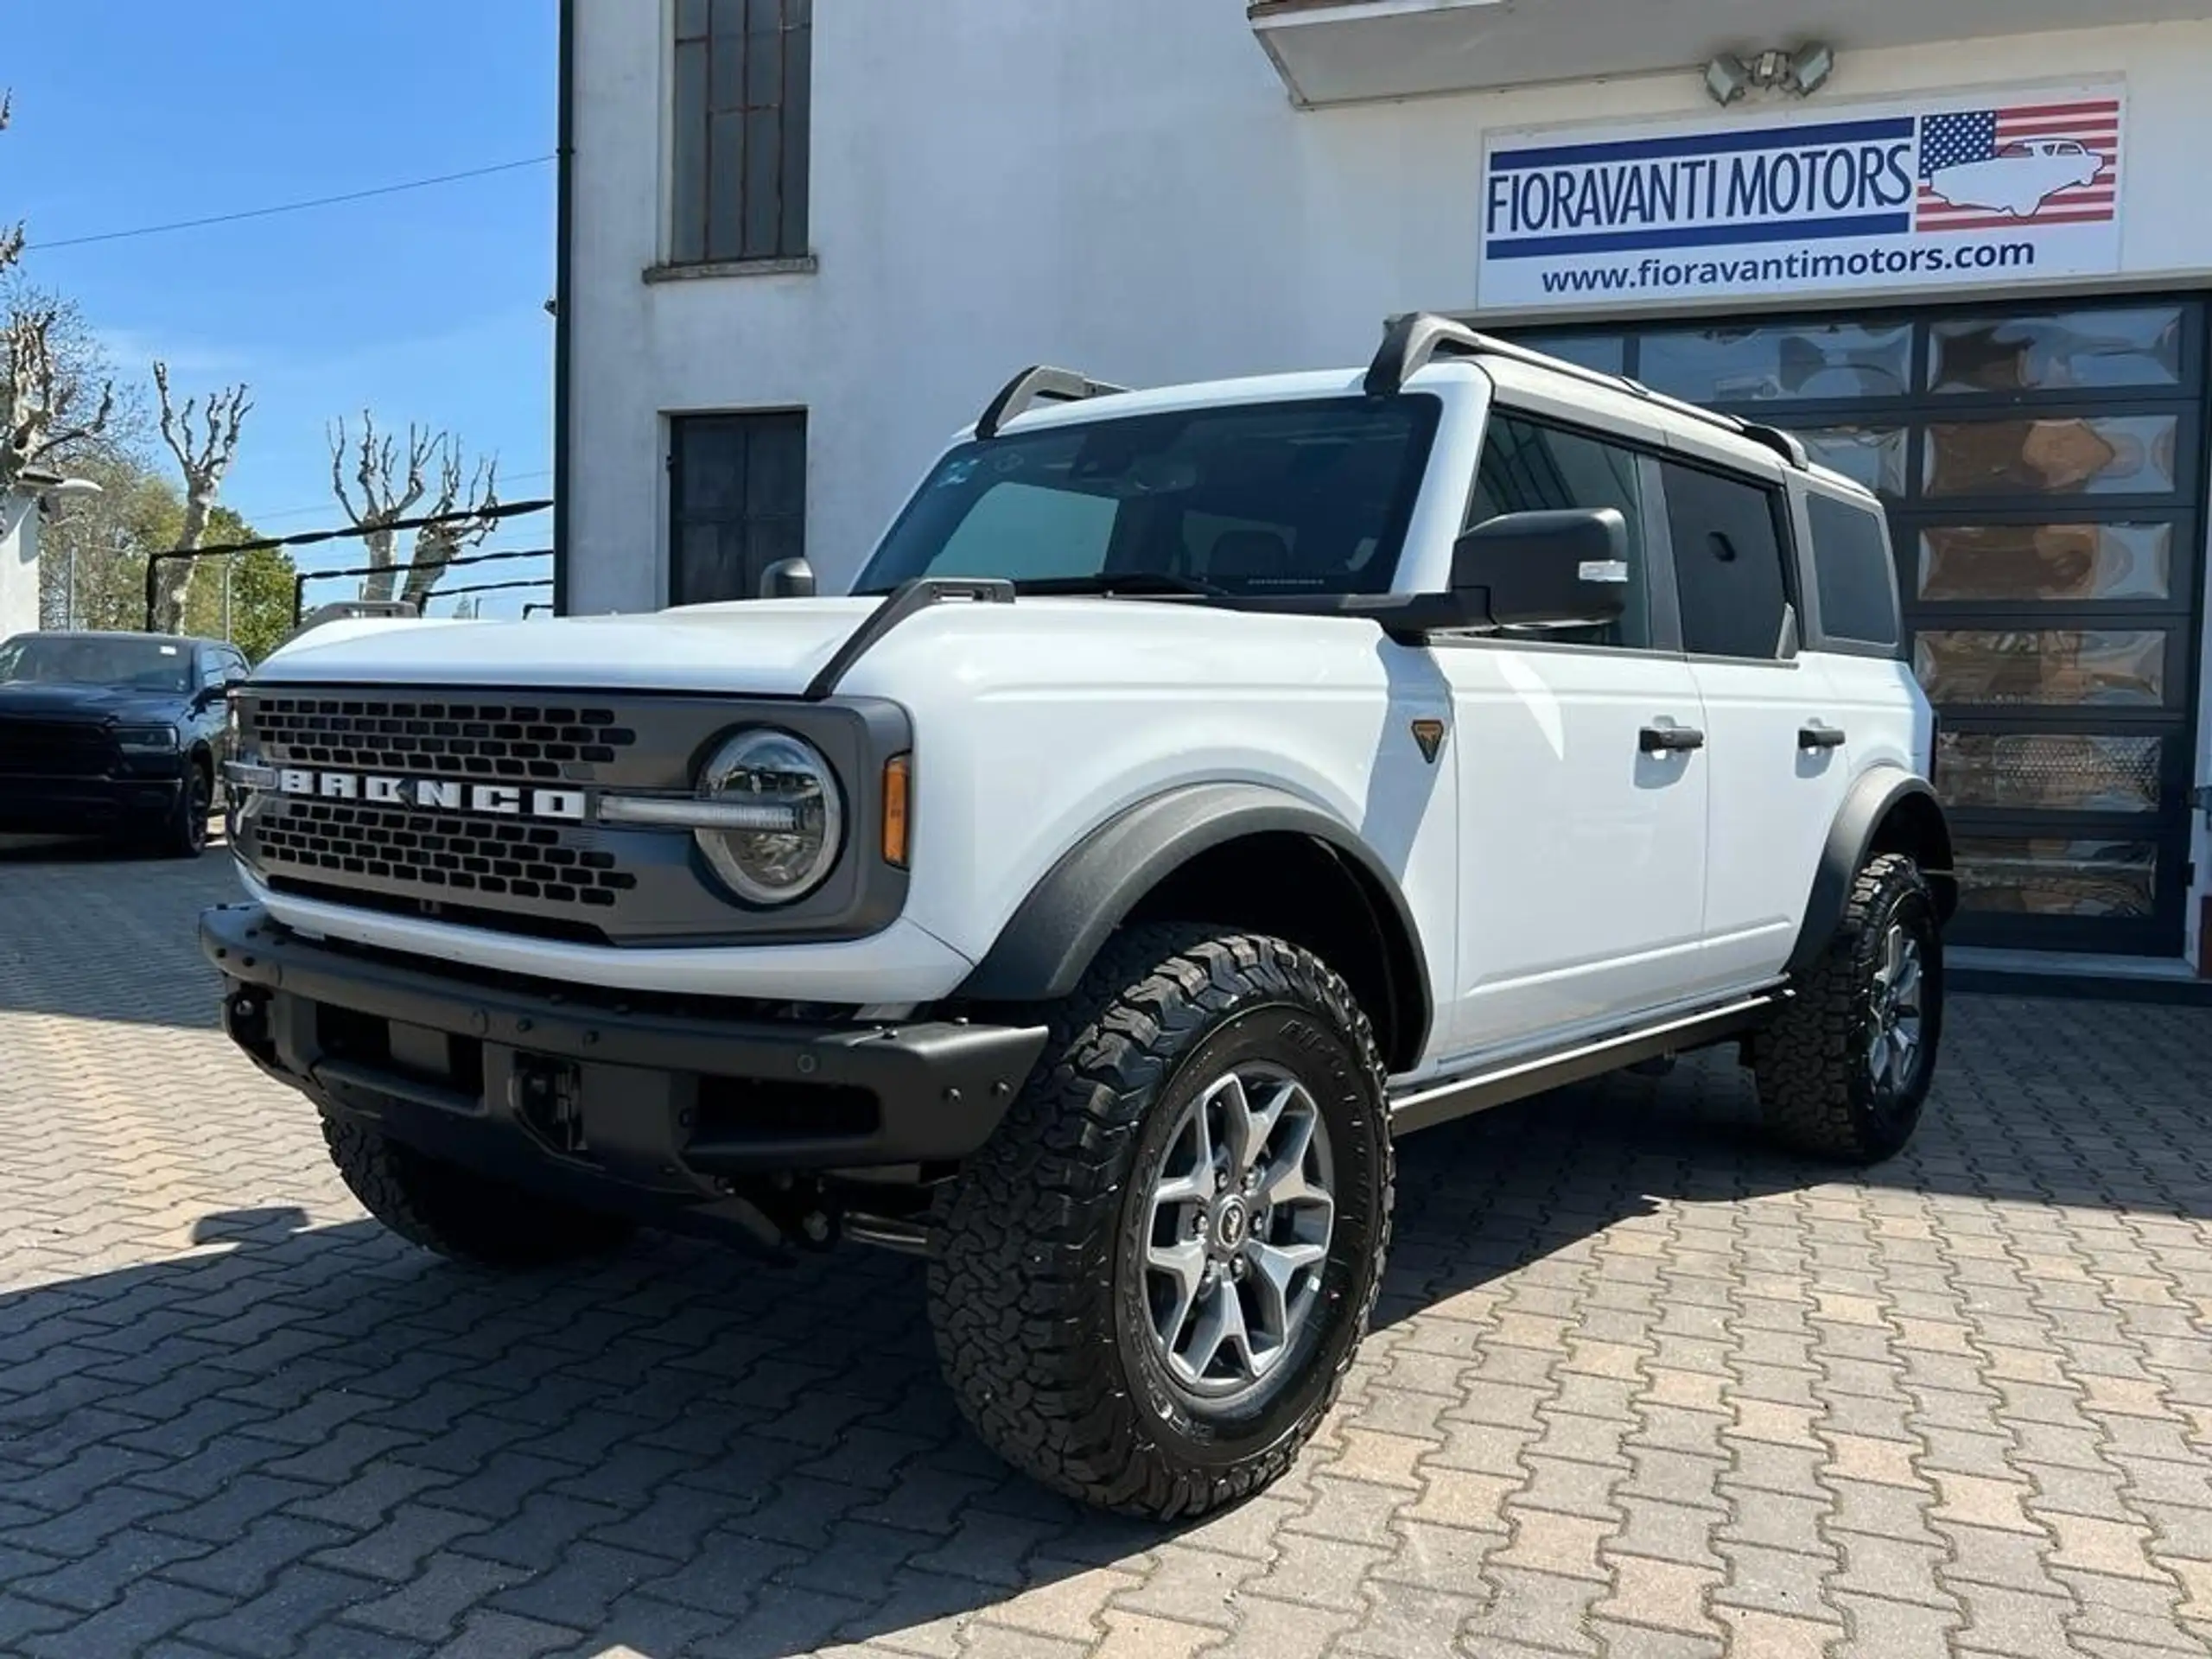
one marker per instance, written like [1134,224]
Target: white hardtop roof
[1205,394]
[1569,389]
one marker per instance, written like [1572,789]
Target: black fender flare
[1044,950]
[1875,801]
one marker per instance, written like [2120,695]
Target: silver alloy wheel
[1238,1227]
[1893,1043]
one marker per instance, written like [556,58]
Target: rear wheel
[460,1213]
[1146,1288]
[1844,1073]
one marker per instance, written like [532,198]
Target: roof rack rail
[1041,384]
[1788,445]
[1410,342]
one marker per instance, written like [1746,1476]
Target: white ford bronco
[1200,788]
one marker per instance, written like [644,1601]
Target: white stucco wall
[1123,188]
[18,564]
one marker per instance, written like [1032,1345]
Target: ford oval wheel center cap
[1230,1223]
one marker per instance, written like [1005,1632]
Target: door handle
[1817,735]
[1671,739]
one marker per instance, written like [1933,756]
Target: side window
[215,669]
[1728,565]
[1527,467]
[1858,582]
[1029,533]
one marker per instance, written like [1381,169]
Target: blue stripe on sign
[1702,236]
[1708,143]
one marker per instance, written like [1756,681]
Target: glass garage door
[2043,469]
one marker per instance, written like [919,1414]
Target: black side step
[1425,1107]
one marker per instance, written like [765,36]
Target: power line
[290,207]
[258,518]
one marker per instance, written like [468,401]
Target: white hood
[763,647]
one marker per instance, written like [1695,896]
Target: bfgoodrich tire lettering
[459,1213]
[1037,1294]
[1844,1072]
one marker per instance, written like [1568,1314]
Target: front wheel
[1146,1288]
[1844,1072]
[184,833]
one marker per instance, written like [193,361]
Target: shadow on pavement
[678,1443]
[673,1443]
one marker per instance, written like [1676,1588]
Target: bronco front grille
[442,737]
[453,853]
[424,801]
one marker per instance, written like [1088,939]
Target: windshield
[1252,499]
[76,659]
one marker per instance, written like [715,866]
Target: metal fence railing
[350,532]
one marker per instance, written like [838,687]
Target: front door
[1582,875]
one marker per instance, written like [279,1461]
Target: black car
[116,735]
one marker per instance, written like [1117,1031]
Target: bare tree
[11,239]
[389,485]
[43,408]
[467,515]
[203,456]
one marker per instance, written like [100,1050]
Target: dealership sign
[1967,190]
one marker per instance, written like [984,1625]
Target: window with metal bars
[741,100]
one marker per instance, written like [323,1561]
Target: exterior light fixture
[1801,73]
[1810,68]
[1727,78]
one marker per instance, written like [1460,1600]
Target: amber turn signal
[898,778]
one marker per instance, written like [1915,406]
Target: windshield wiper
[1134,583]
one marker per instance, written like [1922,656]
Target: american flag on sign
[2036,163]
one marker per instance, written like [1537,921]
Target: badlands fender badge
[1429,733]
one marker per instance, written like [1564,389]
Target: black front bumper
[659,1095]
[84,806]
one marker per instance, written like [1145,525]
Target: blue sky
[426,306]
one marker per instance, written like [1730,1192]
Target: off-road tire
[1816,1090]
[1036,1246]
[183,834]
[459,1213]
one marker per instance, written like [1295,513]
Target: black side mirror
[788,579]
[1544,569]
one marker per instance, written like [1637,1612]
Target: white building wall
[18,564]
[1123,188]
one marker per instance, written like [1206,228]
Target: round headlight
[795,819]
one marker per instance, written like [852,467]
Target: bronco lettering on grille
[505,800]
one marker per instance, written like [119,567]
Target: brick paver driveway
[1637,1387]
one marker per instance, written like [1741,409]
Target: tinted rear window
[1727,563]
[1859,596]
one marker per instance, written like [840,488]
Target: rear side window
[1728,566]
[1851,561]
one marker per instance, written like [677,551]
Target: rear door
[1778,771]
